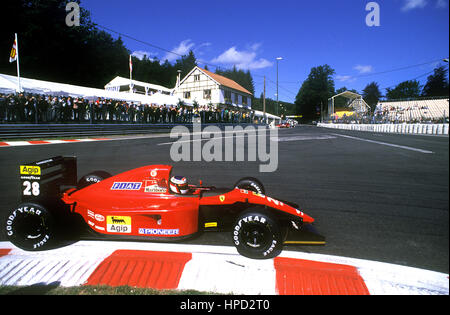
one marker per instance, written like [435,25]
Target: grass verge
[55,289]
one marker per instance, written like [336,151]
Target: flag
[13,55]
[131,65]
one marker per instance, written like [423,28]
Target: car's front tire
[92,178]
[30,227]
[252,184]
[256,234]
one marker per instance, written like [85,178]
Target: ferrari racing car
[150,203]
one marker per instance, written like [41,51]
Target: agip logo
[30,170]
[118,224]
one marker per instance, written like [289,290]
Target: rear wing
[46,179]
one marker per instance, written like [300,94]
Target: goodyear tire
[257,235]
[252,184]
[92,178]
[30,226]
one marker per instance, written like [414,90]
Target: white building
[120,84]
[205,87]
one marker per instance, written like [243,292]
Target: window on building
[236,99]
[227,96]
[196,77]
[244,100]
[207,94]
[187,95]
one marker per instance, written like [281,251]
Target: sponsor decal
[126,186]
[165,232]
[153,173]
[95,216]
[258,194]
[277,202]
[269,199]
[210,224]
[222,198]
[118,224]
[152,186]
[30,170]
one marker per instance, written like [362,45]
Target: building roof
[348,94]
[225,81]
[119,81]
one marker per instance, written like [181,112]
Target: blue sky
[251,34]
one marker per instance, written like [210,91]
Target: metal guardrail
[32,131]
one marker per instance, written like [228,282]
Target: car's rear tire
[92,178]
[252,184]
[256,234]
[31,227]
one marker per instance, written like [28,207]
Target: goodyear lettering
[42,242]
[24,210]
[272,247]
[247,219]
[126,186]
[30,170]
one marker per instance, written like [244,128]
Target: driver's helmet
[179,185]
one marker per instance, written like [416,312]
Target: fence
[429,129]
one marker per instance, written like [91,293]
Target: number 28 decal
[31,188]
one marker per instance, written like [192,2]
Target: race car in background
[138,205]
[290,123]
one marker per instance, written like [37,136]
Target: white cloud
[243,59]
[141,53]
[182,49]
[198,50]
[344,78]
[413,4]
[363,69]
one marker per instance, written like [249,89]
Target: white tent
[259,113]
[117,82]
[163,99]
[8,84]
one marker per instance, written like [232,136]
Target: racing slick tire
[252,184]
[257,235]
[92,178]
[30,227]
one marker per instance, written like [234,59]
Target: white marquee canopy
[9,84]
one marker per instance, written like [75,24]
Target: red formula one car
[140,205]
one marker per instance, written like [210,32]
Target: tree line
[83,55]
[312,97]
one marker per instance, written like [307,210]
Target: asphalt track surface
[381,197]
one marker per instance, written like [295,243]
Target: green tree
[186,63]
[51,50]
[340,101]
[372,95]
[315,92]
[437,83]
[404,90]
[243,78]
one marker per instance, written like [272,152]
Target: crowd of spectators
[37,108]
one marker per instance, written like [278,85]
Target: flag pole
[131,80]
[18,68]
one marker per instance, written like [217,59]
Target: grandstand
[410,111]
[356,106]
